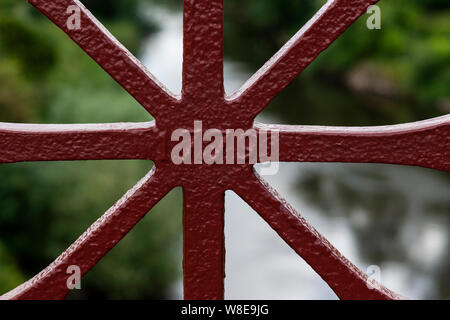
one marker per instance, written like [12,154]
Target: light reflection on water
[396,217]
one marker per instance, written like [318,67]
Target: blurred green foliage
[26,46]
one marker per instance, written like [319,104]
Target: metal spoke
[102,236]
[203,51]
[203,239]
[36,142]
[110,54]
[302,49]
[345,279]
[423,143]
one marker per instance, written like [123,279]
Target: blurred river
[394,217]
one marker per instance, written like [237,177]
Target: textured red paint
[425,143]
[422,143]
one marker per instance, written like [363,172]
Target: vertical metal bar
[204,251]
[203,50]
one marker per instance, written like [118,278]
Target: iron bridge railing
[424,143]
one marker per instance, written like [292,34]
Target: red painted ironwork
[424,143]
